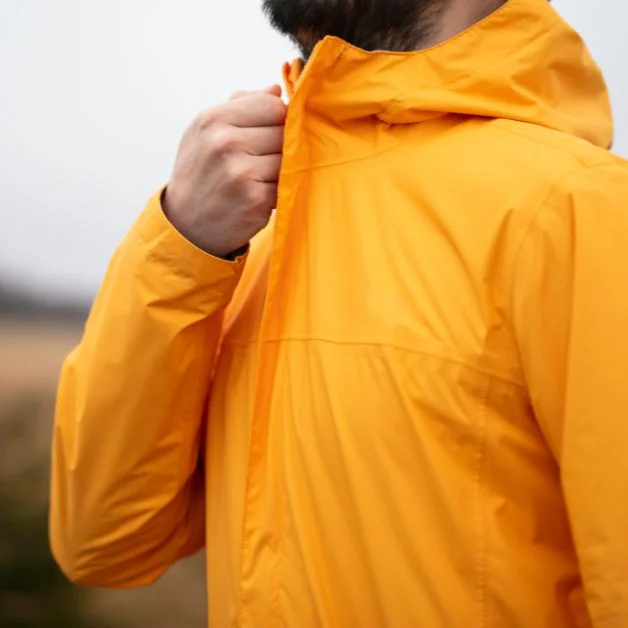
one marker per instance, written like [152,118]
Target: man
[406,404]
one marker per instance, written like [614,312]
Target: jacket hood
[523,62]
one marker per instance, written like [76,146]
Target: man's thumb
[275,90]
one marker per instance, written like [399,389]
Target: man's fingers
[265,140]
[254,110]
[273,90]
[266,169]
[240,94]
[264,195]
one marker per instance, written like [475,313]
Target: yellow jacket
[408,406]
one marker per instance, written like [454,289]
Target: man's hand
[224,185]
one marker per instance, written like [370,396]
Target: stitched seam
[448,84]
[535,216]
[480,516]
[384,345]
[502,128]
[279,571]
[345,162]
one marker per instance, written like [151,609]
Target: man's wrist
[229,257]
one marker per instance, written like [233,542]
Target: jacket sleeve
[127,488]
[570,308]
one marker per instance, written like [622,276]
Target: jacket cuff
[164,244]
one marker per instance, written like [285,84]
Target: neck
[458,16]
[436,21]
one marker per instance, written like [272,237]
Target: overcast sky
[96,93]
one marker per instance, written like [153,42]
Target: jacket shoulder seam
[608,159]
[533,220]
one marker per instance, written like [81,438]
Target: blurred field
[31,354]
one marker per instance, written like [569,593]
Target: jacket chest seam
[480,518]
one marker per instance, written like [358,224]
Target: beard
[394,25]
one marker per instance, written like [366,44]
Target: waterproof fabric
[408,405]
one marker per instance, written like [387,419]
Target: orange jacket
[408,405]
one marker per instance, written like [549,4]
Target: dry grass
[31,356]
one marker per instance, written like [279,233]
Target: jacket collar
[523,62]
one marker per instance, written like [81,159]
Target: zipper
[267,352]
